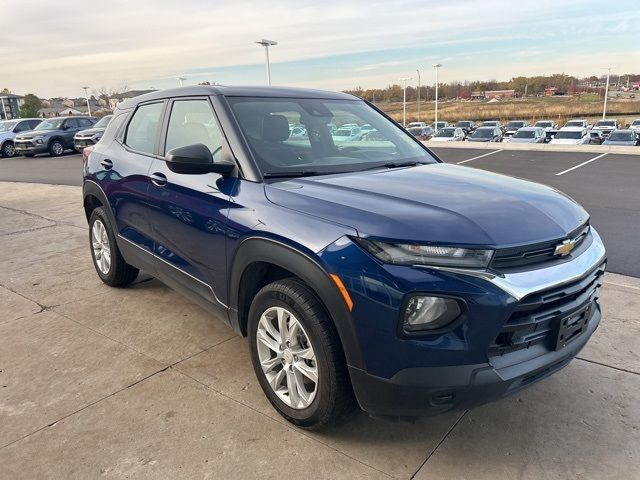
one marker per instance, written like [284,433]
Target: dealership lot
[141,383]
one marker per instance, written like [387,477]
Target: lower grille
[539,318]
[23,145]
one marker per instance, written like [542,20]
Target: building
[550,91]
[10,106]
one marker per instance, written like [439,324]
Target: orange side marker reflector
[343,291]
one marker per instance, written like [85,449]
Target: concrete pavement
[138,382]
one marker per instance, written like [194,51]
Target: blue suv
[363,272]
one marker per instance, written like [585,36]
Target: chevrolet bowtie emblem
[564,248]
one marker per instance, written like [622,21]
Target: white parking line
[582,164]
[480,156]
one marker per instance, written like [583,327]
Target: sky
[58,47]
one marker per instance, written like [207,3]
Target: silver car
[626,137]
[528,135]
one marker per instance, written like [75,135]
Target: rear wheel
[107,259]
[8,150]
[56,148]
[297,355]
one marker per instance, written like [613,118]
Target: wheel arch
[94,197]
[259,261]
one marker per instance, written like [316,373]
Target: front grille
[527,255]
[23,145]
[536,320]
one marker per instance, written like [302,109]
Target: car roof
[572,129]
[237,91]
[65,116]
[527,129]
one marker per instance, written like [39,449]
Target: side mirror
[195,159]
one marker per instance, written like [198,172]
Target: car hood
[478,139]
[89,132]
[435,203]
[522,140]
[565,141]
[33,133]
[627,143]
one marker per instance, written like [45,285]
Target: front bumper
[29,147]
[80,143]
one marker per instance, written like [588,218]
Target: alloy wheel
[57,148]
[9,150]
[101,248]
[287,357]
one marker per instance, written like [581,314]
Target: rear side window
[22,127]
[85,122]
[142,132]
[191,122]
[71,123]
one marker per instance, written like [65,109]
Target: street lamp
[86,95]
[404,100]
[418,71]
[266,44]
[606,93]
[436,66]
[181,79]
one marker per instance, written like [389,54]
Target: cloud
[55,47]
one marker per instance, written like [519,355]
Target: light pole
[4,108]
[181,79]
[266,44]
[436,66]
[418,71]
[606,93]
[86,95]
[404,100]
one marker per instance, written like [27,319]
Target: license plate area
[572,326]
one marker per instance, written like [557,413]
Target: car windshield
[7,126]
[577,135]
[446,132]
[53,124]
[515,124]
[543,124]
[524,134]
[489,124]
[103,122]
[576,123]
[636,122]
[621,137]
[483,133]
[463,124]
[606,123]
[264,123]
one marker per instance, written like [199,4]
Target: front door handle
[158,179]
[107,164]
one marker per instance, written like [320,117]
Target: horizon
[103,49]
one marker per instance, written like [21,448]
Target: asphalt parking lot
[97,382]
[606,186]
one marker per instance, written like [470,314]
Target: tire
[7,150]
[111,267]
[331,395]
[56,148]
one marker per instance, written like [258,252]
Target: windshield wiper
[291,174]
[395,165]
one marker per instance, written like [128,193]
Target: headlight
[37,139]
[423,312]
[96,137]
[417,254]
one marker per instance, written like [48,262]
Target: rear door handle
[107,164]
[158,179]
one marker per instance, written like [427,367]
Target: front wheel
[8,150]
[107,259]
[56,148]
[297,355]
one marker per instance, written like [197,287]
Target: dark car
[8,131]
[596,137]
[467,126]
[91,136]
[486,134]
[52,135]
[493,123]
[421,133]
[623,137]
[513,126]
[369,273]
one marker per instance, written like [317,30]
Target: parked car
[529,135]
[595,137]
[380,277]
[347,134]
[546,125]
[623,137]
[635,125]
[8,131]
[577,123]
[416,124]
[606,126]
[486,134]
[513,126]
[439,126]
[421,133]
[91,136]
[571,136]
[467,125]
[52,135]
[493,123]
[449,134]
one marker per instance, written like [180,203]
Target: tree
[30,106]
